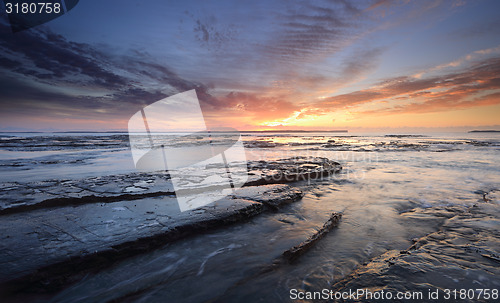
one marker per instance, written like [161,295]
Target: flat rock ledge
[18,197]
[47,243]
[463,254]
[44,246]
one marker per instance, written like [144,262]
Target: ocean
[419,212]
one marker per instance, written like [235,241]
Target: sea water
[383,176]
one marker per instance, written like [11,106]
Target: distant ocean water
[383,176]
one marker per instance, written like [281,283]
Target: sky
[258,65]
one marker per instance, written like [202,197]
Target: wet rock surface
[55,232]
[295,252]
[262,144]
[18,196]
[273,196]
[387,143]
[46,237]
[63,142]
[290,170]
[463,254]
[73,241]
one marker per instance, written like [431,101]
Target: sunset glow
[365,65]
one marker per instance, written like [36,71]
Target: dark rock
[261,144]
[293,253]
[41,246]
[291,170]
[273,196]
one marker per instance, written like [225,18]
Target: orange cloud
[408,94]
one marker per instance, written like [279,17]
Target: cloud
[461,61]
[264,62]
[209,33]
[45,74]
[278,102]
[309,29]
[406,94]
[358,64]
[259,107]
[50,56]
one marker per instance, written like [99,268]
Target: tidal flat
[80,224]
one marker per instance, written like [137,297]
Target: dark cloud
[46,74]
[15,91]
[9,64]
[20,98]
[53,55]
